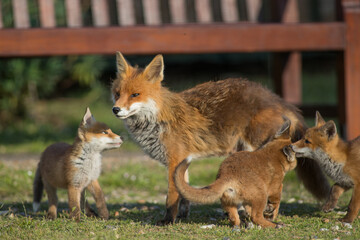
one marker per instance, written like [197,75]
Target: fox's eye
[307,141]
[117,95]
[135,95]
[105,132]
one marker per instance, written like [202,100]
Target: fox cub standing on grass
[249,178]
[340,160]
[75,167]
[213,118]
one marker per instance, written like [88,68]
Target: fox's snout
[116,110]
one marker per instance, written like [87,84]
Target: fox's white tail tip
[188,159]
[36,206]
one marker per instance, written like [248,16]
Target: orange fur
[75,167]
[339,159]
[213,118]
[253,179]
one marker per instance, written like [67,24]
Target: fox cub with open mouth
[253,179]
[75,167]
[340,160]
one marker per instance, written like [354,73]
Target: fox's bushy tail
[38,189]
[205,195]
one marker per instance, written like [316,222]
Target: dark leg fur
[38,187]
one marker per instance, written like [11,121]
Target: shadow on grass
[150,213]
[299,209]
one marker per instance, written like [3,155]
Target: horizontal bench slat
[181,39]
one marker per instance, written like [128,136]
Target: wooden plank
[291,12]
[21,14]
[352,67]
[1,19]
[229,11]
[47,13]
[178,39]
[286,67]
[178,11]
[73,13]
[152,12]
[253,9]
[286,73]
[100,13]
[203,11]
[126,12]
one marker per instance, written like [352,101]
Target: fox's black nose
[115,110]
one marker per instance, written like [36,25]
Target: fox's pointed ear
[121,63]
[88,118]
[289,153]
[284,131]
[318,119]
[155,70]
[329,129]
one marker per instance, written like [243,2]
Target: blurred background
[42,99]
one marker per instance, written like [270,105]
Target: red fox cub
[340,160]
[213,118]
[249,178]
[75,167]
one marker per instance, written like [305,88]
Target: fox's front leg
[172,199]
[184,206]
[354,205]
[95,189]
[74,202]
[336,192]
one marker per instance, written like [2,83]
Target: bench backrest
[130,12]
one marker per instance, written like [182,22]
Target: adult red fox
[213,118]
[249,178]
[75,167]
[340,160]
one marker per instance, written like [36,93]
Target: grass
[57,120]
[135,188]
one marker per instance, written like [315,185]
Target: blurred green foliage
[23,81]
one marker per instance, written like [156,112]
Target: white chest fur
[88,167]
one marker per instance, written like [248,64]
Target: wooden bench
[192,27]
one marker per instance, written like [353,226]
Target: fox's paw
[280,225]
[104,214]
[236,229]
[269,211]
[165,222]
[328,207]
[91,213]
[346,221]
[51,216]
